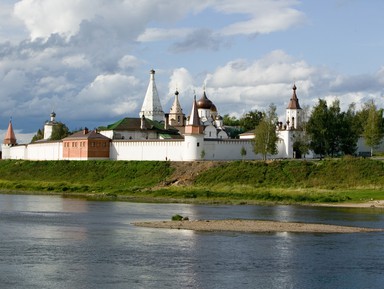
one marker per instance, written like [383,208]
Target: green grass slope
[287,181]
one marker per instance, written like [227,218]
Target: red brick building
[86,145]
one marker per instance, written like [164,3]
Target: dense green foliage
[38,136]
[247,122]
[59,131]
[332,132]
[288,181]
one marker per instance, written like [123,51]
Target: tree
[38,136]
[59,131]
[317,128]
[265,133]
[349,131]
[230,120]
[332,131]
[250,120]
[373,129]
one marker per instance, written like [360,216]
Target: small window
[198,144]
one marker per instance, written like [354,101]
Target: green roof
[131,124]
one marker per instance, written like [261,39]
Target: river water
[54,242]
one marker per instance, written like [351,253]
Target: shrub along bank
[288,181]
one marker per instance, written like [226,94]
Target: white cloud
[159,34]
[43,18]
[108,95]
[129,62]
[264,16]
[76,61]
[180,80]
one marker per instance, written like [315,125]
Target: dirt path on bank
[185,172]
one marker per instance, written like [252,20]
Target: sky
[89,61]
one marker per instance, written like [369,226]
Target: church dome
[213,108]
[204,102]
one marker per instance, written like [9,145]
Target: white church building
[155,135]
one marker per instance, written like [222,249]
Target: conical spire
[10,138]
[294,101]
[194,126]
[176,107]
[194,118]
[152,108]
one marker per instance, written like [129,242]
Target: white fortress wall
[45,151]
[160,150]
[18,152]
[229,150]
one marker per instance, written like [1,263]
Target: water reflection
[50,242]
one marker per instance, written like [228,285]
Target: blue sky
[90,60]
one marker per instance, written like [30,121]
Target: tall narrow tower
[152,108]
[176,116]
[48,127]
[293,112]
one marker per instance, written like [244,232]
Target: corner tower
[194,136]
[152,108]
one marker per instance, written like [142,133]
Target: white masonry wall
[229,150]
[49,151]
[18,152]
[37,151]
[159,150]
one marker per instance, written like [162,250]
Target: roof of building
[134,124]
[85,134]
[194,118]
[10,137]
[204,102]
[152,106]
[294,101]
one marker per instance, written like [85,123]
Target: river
[54,242]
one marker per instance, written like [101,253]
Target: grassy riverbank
[338,180]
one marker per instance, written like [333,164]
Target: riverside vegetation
[239,182]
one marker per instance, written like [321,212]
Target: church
[156,135]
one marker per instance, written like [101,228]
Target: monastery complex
[155,135]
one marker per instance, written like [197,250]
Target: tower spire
[10,138]
[152,108]
[294,101]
